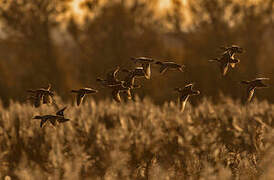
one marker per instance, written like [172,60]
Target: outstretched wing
[147,70]
[61,112]
[116,95]
[250,93]
[80,98]
[163,69]
[43,121]
[260,79]
[128,94]
[183,101]
[62,120]
[224,68]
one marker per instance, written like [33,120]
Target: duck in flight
[42,95]
[53,119]
[252,85]
[166,65]
[145,63]
[81,93]
[111,78]
[185,93]
[224,62]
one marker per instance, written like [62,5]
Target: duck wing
[43,121]
[183,101]
[250,93]
[80,97]
[46,99]
[116,95]
[62,120]
[224,68]
[61,112]
[163,69]
[147,70]
[52,121]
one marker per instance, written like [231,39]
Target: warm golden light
[75,5]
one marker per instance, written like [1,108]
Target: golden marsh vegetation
[139,140]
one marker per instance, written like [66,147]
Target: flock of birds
[142,70]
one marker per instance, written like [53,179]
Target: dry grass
[140,140]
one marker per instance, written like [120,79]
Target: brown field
[139,140]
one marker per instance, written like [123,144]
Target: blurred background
[69,43]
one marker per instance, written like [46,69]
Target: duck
[42,95]
[252,85]
[111,78]
[126,85]
[53,119]
[146,64]
[185,93]
[123,88]
[117,90]
[82,92]
[169,65]
[224,62]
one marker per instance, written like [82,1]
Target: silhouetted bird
[111,78]
[126,85]
[82,92]
[185,93]
[252,85]
[146,64]
[53,119]
[169,65]
[224,62]
[38,96]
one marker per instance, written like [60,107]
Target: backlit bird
[224,62]
[111,78]
[185,93]
[82,92]
[53,119]
[252,85]
[42,95]
[169,65]
[146,64]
